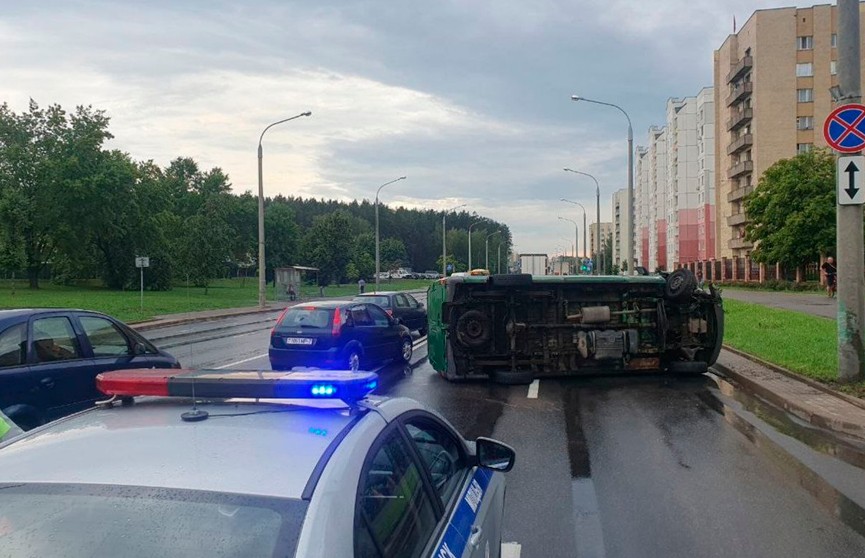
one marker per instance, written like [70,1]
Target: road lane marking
[511,550]
[587,519]
[533,389]
[240,362]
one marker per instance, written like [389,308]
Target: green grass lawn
[223,293]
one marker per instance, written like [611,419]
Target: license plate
[299,341]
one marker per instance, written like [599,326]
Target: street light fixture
[262,284]
[585,251]
[629,241]
[487,249]
[576,235]
[598,217]
[470,243]
[444,240]
[377,248]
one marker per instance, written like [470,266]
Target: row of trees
[70,206]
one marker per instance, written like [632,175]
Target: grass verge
[124,305]
[801,343]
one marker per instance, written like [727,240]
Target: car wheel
[406,349]
[352,360]
[680,285]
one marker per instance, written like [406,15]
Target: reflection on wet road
[625,466]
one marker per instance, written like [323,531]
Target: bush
[773,285]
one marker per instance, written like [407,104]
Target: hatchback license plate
[299,341]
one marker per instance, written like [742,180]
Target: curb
[228,313]
[818,420]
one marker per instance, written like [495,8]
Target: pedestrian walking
[361,285]
[831,273]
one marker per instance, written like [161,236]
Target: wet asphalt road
[616,466]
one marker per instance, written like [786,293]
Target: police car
[237,463]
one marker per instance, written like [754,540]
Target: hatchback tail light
[337,322]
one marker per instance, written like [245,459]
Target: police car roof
[272,452]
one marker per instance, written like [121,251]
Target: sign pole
[141,269]
[850,246]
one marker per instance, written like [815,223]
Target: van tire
[474,329]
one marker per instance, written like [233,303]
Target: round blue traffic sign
[844,128]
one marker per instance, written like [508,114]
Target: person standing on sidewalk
[361,285]
[830,272]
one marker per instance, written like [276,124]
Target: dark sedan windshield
[382,301]
[89,520]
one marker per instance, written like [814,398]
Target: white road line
[511,550]
[230,364]
[533,389]
[420,342]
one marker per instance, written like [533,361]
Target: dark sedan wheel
[407,348]
[352,360]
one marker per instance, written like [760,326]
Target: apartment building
[657,198]
[622,225]
[772,82]
[682,206]
[641,206]
[606,231]
[706,174]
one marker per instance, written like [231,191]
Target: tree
[280,237]
[44,155]
[792,210]
[328,245]
[204,248]
[393,253]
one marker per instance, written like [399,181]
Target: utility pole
[851,263]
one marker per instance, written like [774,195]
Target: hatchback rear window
[382,301]
[307,317]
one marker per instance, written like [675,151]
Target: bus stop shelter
[290,279]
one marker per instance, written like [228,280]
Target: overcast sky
[470,99]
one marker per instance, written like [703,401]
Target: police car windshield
[95,520]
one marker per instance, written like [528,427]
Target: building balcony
[737,219]
[745,64]
[743,142]
[739,93]
[742,168]
[740,243]
[739,119]
[739,193]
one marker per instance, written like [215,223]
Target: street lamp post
[445,239]
[585,252]
[470,243]
[598,217]
[487,250]
[262,284]
[629,241]
[499,259]
[377,248]
[576,236]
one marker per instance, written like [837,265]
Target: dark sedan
[404,306]
[49,359]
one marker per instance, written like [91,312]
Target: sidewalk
[816,304]
[810,401]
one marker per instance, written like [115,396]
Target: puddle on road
[828,443]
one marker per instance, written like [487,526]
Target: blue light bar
[224,384]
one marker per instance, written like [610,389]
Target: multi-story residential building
[641,206]
[706,174]
[606,231]
[657,198]
[772,82]
[621,225]
[682,205]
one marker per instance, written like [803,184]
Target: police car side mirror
[495,455]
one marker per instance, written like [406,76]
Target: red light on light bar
[136,382]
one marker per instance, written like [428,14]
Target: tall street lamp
[585,251]
[576,235]
[487,250]
[598,217]
[262,285]
[629,241]
[445,239]
[470,243]
[499,259]
[377,248]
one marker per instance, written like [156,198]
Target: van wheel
[473,329]
[680,285]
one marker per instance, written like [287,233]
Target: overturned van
[514,328]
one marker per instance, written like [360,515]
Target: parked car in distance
[404,306]
[337,334]
[431,275]
[49,359]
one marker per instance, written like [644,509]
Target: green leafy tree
[792,210]
[204,248]
[280,237]
[327,245]
[393,254]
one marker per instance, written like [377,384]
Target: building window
[805,70]
[805,95]
[834,40]
[805,123]
[804,147]
[805,43]
[833,67]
